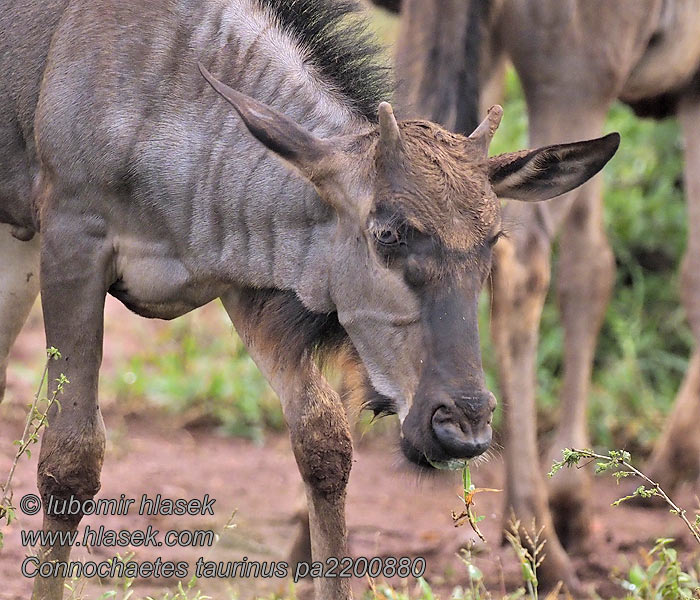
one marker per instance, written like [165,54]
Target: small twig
[469,490]
[590,462]
[27,425]
[618,459]
[31,428]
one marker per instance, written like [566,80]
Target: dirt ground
[392,511]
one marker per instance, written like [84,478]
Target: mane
[291,331]
[338,43]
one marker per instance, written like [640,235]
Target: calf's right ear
[546,172]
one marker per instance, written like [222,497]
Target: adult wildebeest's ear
[276,131]
[541,174]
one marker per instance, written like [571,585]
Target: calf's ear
[276,131]
[546,172]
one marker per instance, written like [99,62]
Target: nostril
[442,415]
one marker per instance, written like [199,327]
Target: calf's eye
[387,237]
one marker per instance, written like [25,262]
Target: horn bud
[484,133]
[389,136]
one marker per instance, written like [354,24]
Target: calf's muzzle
[463,429]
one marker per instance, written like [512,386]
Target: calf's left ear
[276,131]
[546,172]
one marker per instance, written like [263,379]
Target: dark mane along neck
[337,42]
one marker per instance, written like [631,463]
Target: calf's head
[417,219]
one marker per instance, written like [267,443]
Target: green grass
[199,367]
[658,575]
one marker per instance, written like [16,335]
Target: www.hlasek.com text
[244,569]
[112,538]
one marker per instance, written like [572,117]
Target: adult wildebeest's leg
[584,283]
[569,85]
[520,281]
[438,60]
[585,278]
[677,455]
[319,432]
[19,285]
[74,266]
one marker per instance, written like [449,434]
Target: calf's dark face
[448,416]
[417,218]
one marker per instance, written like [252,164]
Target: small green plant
[37,419]
[662,577]
[183,592]
[122,588]
[469,490]
[122,591]
[477,587]
[618,462]
[386,592]
[530,555]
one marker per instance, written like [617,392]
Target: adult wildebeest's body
[574,57]
[134,178]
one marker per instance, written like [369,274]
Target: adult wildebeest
[123,172]
[574,58]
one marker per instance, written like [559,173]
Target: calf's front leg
[74,261]
[318,430]
[323,450]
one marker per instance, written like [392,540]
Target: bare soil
[392,510]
